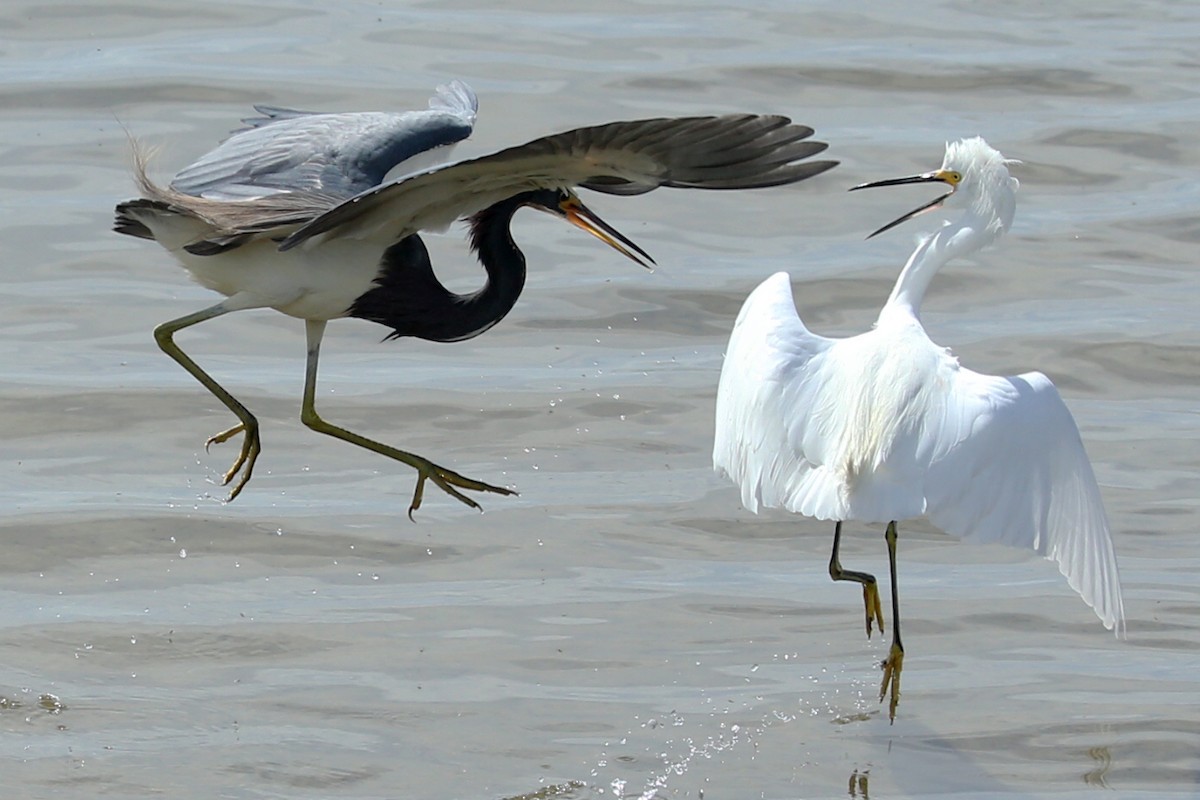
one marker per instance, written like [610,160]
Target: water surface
[622,627]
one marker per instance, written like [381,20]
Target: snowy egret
[886,425]
[293,214]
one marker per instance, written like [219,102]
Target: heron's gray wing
[271,114]
[338,155]
[731,152]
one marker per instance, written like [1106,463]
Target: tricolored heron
[293,214]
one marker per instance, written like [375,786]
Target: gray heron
[294,214]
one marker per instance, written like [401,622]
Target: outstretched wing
[333,155]
[1007,465]
[730,152]
[988,459]
[764,400]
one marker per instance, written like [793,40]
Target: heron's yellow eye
[951,177]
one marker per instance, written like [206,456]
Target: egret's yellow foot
[866,579]
[244,463]
[874,609]
[447,480]
[891,678]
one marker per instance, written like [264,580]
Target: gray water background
[623,628]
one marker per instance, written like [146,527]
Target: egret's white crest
[887,425]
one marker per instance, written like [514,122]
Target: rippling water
[622,627]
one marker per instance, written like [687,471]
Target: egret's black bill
[584,218]
[941,175]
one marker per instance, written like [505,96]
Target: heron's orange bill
[584,218]
[942,175]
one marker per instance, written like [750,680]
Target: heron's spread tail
[206,227]
[127,221]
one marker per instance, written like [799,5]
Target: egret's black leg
[443,478]
[895,659]
[869,584]
[251,447]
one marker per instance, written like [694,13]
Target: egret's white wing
[1007,465]
[848,429]
[764,401]
[821,427]
[730,152]
[337,155]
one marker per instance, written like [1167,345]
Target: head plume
[986,188]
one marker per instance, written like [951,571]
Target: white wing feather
[830,429]
[762,383]
[1007,465]
[818,426]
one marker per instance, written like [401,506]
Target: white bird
[887,425]
[294,214]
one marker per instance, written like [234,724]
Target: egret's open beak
[582,217]
[943,175]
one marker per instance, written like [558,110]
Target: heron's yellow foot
[447,480]
[874,609]
[244,463]
[891,678]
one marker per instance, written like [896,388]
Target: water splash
[740,725]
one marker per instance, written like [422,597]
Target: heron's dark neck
[409,298]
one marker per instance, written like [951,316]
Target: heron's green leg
[443,478]
[164,334]
[869,584]
[895,659]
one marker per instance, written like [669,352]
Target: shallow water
[622,627]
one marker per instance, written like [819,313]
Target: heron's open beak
[943,175]
[582,217]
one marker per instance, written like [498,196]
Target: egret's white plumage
[887,425]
